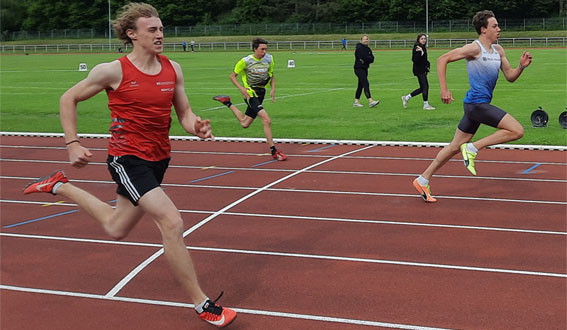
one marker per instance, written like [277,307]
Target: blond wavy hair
[126,20]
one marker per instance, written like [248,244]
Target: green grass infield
[313,99]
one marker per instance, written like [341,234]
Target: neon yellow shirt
[257,72]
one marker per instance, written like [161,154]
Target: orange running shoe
[278,155]
[424,191]
[224,99]
[217,315]
[46,184]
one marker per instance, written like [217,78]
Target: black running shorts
[255,102]
[136,176]
[480,113]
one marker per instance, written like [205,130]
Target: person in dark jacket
[363,58]
[420,70]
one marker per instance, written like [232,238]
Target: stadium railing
[282,45]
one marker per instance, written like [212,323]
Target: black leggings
[423,86]
[362,75]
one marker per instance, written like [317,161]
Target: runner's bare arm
[469,51]
[510,73]
[102,76]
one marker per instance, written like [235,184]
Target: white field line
[307,218]
[337,192]
[319,318]
[295,255]
[140,267]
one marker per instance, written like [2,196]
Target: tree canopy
[16,15]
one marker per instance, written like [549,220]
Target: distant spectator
[420,70]
[184,44]
[192,45]
[363,57]
[344,43]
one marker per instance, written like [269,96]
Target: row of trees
[34,15]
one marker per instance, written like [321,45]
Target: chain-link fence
[464,25]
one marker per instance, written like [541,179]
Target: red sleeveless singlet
[140,109]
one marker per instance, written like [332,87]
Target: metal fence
[281,45]
[462,25]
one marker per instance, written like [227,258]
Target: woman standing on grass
[363,58]
[420,70]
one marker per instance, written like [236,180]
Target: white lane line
[301,255]
[348,220]
[343,192]
[255,154]
[239,310]
[140,267]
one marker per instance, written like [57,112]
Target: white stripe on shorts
[124,179]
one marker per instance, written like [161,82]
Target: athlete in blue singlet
[484,60]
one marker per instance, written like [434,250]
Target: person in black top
[363,58]
[420,70]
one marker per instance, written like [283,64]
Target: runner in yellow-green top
[258,71]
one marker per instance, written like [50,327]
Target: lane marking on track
[531,168]
[54,203]
[39,219]
[322,148]
[310,155]
[343,192]
[264,163]
[239,310]
[370,221]
[210,177]
[335,171]
[158,253]
[300,255]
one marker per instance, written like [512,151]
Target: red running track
[333,238]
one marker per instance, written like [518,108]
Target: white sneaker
[357,105]
[428,107]
[404,101]
[374,103]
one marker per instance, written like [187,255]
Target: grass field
[314,99]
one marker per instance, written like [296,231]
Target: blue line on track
[322,148]
[531,168]
[210,177]
[260,164]
[39,219]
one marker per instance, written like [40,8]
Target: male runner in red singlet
[141,88]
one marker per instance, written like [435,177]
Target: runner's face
[148,34]
[492,31]
[364,40]
[260,51]
[423,40]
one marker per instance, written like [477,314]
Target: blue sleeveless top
[483,74]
